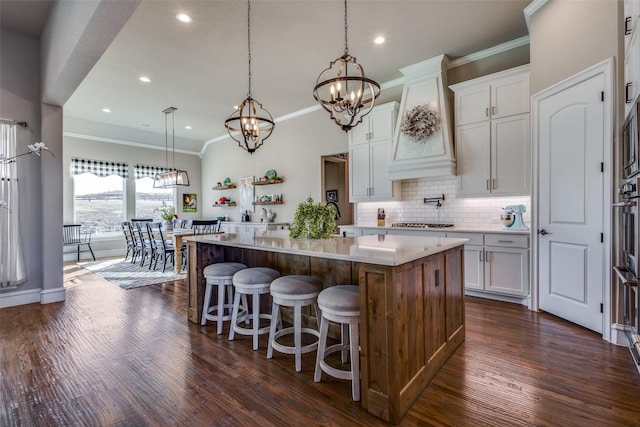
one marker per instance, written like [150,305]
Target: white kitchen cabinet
[238,227]
[494,149]
[496,263]
[369,154]
[491,97]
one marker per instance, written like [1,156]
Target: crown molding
[533,7]
[477,56]
[128,143]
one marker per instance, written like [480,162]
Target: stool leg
[221,289]
[355,358]
[297,334]
[256,319]
[205,305]
[234,316]
[322,343]
[246,308]
[275,315]
[344,339]
[318,314]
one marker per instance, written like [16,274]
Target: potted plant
[168,213]
[313,221]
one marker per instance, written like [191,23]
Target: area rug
[129,276]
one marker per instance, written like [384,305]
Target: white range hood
[425,84]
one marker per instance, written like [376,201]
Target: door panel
[571,205]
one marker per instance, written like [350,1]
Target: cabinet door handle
[627,25]
[486,256]
[488,187]
[480,255]
[487,112]
[627,91]
[494,183]
[493,110]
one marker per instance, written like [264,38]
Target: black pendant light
[171,177]
[344,90]
[250,124]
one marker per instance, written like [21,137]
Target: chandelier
[344,90]
[171,177]
[250,124]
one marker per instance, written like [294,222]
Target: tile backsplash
[479,212]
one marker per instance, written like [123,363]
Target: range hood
[425,84]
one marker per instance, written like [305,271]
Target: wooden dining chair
[160,247]
[205,226]
[128,237]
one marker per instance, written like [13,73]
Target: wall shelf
[267,203]
[269,182]
[224,205]
[224,187]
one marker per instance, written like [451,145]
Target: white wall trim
[618,335]
[123,142]
[477,56]
[533,7]
[497,297]
[12,299]
[606,68]
[53,295]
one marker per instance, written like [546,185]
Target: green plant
[166,212]
[313,221]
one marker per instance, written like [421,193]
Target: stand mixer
[512,218]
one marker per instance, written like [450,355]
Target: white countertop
[454,229]
[388,250]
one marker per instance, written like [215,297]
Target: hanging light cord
[346,47]
[166,142]
[173,138]
[249,42]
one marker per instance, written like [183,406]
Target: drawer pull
[505,241]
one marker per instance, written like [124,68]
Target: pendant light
[171,177]
[344,90]
[250,124]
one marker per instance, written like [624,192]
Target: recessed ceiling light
[146,125]
[183,17]
[379,40]
[106,110]
[188,127]
[144,79]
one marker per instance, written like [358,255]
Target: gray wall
[20,100]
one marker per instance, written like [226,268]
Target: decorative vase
[168,224]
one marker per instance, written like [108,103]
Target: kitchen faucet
[335,205]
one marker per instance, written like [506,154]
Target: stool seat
[223,269]
[340,304]
[219,274]
[253,281]
[294,291]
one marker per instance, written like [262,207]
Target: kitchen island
[411,299]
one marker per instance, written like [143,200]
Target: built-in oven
[630,142]
[629,270]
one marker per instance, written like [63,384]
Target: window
[99,202]
[149,198]
[98,189]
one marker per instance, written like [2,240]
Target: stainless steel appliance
[629,271]
[420,225]
[630,142]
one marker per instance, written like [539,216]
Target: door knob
[543,232]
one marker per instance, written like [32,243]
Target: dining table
[177,234]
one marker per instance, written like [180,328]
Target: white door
[570,197]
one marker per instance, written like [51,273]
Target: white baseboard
[72,256]
[12,299]
[618,335]
[497,297]
[53,295]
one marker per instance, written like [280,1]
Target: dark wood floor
[110,357]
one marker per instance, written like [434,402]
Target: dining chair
[73,236]
[128,237]
[143,238]
[205,226]
[160,247]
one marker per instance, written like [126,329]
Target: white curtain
[12,268]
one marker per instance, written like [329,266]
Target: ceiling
[201,68]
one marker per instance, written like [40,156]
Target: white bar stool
[340,304]
[219,274]
[255,282]
[294,291]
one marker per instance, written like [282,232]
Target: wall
[294,150]
[20,101]
[96,150]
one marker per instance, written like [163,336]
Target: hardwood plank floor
[110,357]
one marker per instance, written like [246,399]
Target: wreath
[419,123]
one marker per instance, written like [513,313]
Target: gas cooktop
[420,225]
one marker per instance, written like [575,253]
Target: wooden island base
[411,315]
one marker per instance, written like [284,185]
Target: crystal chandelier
[171,177]
[250,124]
[344,90]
